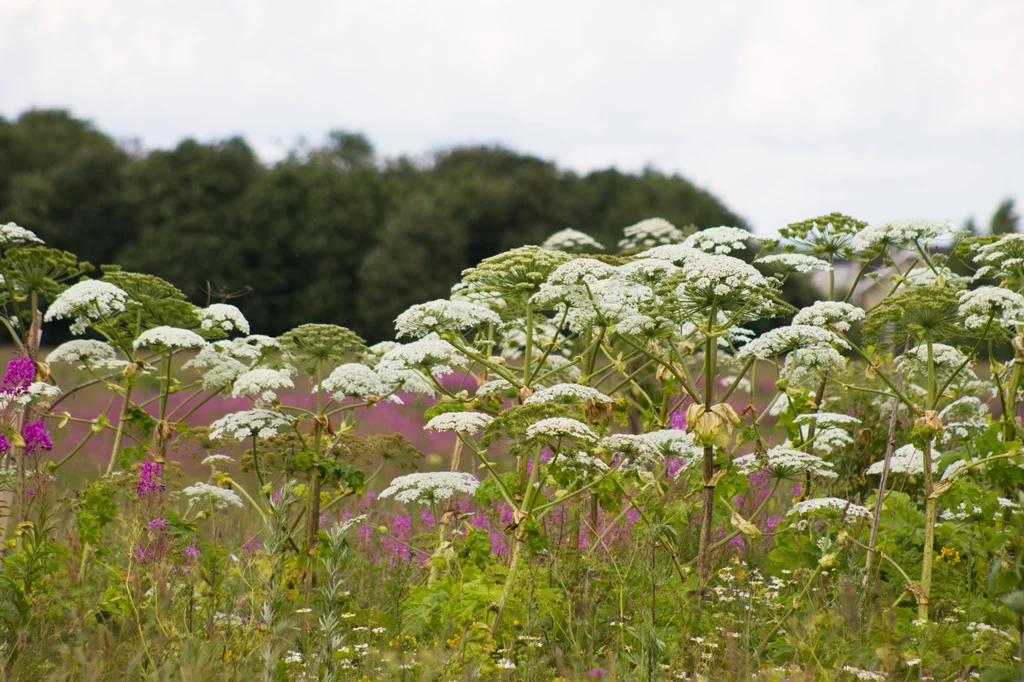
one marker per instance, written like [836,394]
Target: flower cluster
[249,424]
[430,487]
[571,240]
[223,316]
[719,240]
[829,315]
[218,498]
[87,301]
[443,316]
[165,337]
[467,423]
[650,232]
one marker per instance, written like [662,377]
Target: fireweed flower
[571,240]
[223,316]
[430,487]
[5,445]
[220,498]
[719,240]
[21,372]
[165,337]
[650,232]
[87,301]
[36,437]
[467,423]
[443,316]
[150,478]
[262,383]
[243,425]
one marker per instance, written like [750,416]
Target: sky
[784,110]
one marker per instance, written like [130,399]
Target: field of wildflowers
[583,465]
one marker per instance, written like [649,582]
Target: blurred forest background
[332,233]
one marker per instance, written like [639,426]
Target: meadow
[589,462]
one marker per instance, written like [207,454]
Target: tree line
[332,233]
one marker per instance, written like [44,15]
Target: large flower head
[648,233]
[785,462]
[724,283]
[12,234]
[998,309]
[443,316]
[561,429]
[572,241]
[904,233]
[354,380]
[791,338]
[262,383]
[719,240]
[87,301]
[430,487]
[223,317]
[255,423]
[166,338]
[829,315]
[467,423]
[830,508]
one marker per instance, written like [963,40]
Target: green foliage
[94,510]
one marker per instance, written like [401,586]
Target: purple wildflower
[5,445]
[192,552]
[150,478]
[595,673]
[21,372]
[30,492]
[252,546]
[36,436]
[157,525]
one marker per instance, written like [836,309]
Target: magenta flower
[150,478]
[36,436]
[21,372]
[157,525]
[5,445]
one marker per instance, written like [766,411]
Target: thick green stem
[313,502]
[119,434]
[931,498]
[708,469]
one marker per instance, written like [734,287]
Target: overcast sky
[785,110]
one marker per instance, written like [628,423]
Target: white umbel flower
[635,446]
[430,487]
[1005,307]
[403,366]
[223,316]
[353,379]
[12,234]
[677,254]
[829,315]
[571,240]
[903,233]
[261,382]
[947,360]
[442,316]
[555,428]
[674,443]
[719,240]
[494,387]
[217,366]
[169,337]
[567,393]
[650,232]
[581,271]
[87,301]
[794,262]
[86,351]
[467,423]
[788,463]
[220,498]
[825,420]
[793,337]
[715,278]
[832,508]
[248,424]
[216,462]
[904,460]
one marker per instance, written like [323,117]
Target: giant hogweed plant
[603,386]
